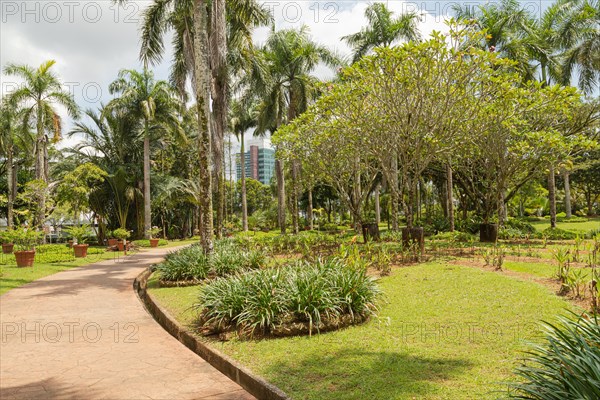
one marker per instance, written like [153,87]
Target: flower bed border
[255,385]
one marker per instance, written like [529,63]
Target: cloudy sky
[92,40]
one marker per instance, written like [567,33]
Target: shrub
[191,263]
[146,242]
[303,292]
[228,258]
[469,225]
[121,234]
[558,234]
[521,225]
[567,366]
[455,237]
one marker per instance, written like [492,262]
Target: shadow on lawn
[358,374]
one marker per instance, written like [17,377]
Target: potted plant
[25,239]
[112,240]
[121,235]
[7,239]
[152,233]
[79,233]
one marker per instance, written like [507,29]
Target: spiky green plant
[566,366]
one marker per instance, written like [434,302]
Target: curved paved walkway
[84,334]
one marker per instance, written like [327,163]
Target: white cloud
[92,40]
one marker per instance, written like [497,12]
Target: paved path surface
[84,334]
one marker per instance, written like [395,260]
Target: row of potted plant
[119,236]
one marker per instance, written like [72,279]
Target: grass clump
[187,264]
[311,295]
[192,264]
[567,366]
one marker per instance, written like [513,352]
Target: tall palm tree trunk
[552,196]
[10,181]
[147,210]
[40,163]
[218,61]
[243,179]
[377,206]
[202,73]
[280,195]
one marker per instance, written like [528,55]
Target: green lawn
[443,332]
[577,227]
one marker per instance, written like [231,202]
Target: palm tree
[154,104]
[38,95]
[382,30]
[507,24]
[229,29]
[290,57]
[579,37]
[15,140]
[242,118]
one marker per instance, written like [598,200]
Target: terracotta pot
[154,242]
[25,258]
[70,243]
[120,245]
[7,248]
[80,250]
[112,242]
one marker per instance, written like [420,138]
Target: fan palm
[154,104]
[40,93]
[382,30]
[290,57]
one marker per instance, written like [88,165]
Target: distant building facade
[259,161]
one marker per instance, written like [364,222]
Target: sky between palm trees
[92,40]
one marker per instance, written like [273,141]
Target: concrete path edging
[255,385]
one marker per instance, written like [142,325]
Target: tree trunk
[450,201]
[567,193]
[147,210]
[280,195]
[295,210]
[377,206]
[502,216]
[10,181]
[309,212]
[243,179]
[552,196]
[218,61]
[202,73]
[40,174]
[410,206]
[395,200]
